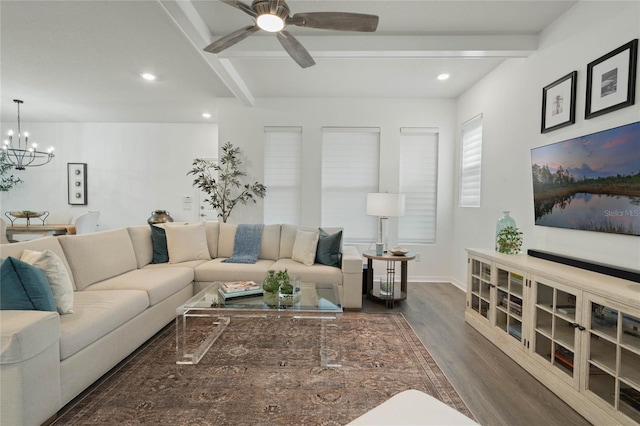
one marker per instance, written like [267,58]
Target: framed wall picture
[77,183]
[559,103]
[611,80]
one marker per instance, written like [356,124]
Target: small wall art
[77,183]
[611,80]
[559,103]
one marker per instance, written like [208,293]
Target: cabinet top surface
[594,282]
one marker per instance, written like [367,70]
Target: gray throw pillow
[328,251]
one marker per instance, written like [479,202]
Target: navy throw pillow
[159,242]
[328,250]
[24,287]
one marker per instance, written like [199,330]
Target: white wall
[132,169]
[510,100]
[244,127]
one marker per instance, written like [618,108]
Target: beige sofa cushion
[142,247]
[216,270]
[159,283]
[288,238]
[98,313]
[27,333]
[269,246]
[186,242]
[319,274]
[40,244]
[213,234]
[98,256]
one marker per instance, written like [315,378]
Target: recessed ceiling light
[148,76]
[206,115]
[443,76]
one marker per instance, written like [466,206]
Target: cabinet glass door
[509,298]
[613,356]
[480,287]
[555,339]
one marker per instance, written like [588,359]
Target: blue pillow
[328,250]
[159,242]
[24,287]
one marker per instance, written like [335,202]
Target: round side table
[390,297]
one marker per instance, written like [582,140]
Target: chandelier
[22,155]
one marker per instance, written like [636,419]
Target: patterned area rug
[267,372]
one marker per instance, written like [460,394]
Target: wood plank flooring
[496,389]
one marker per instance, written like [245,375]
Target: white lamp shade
[385,204]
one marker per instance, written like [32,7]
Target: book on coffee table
[239,287]
[239,294]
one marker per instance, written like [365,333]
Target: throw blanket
[246,245]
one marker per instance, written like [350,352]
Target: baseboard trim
[602,268]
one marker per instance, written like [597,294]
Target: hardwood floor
[496,389]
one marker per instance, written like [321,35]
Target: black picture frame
[77,184]
[555,111]
[611,81]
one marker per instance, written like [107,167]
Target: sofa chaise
[121,299]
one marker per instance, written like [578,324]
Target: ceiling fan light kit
[274,15]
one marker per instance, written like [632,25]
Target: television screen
[590,183]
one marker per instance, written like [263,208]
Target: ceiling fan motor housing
[263,7]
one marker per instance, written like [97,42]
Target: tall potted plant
[223,193]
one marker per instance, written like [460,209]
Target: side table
[391,260]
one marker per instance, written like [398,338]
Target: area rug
[267,372]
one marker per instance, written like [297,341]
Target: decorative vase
[504,221]
[159,216]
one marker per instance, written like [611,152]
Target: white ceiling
[79,61]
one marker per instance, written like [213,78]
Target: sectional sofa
[121,299]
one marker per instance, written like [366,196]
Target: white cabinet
[576,331]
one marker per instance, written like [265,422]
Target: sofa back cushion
[98,256]
[269,246]
[40,244]
[288,237]
[141,240]
[213,235]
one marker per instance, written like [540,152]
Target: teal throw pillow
[159,242]
[328,251]
[24,287]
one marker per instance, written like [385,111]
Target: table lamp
[384,205]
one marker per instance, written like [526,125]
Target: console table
[39,231]
[391,260]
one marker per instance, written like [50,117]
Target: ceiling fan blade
[231,39]
[242,6]
[339,21]
[295,49]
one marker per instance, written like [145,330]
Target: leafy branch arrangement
[8,182]
[509,240]
[220,192]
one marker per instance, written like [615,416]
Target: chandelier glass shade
[19,153]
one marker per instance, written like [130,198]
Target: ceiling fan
[273,16]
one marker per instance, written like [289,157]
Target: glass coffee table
[320,301]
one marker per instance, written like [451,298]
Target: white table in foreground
[321,301]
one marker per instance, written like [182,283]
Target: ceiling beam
[382,46]
[196,31]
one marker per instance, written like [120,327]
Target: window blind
[282,174]
[471,163]
[350,170]
[419,183]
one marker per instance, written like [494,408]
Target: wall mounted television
[590,182]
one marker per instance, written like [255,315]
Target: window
[419,183]
[471,163]
[282,174]
[350,169]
